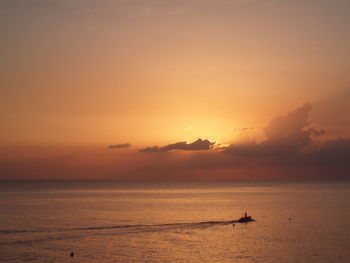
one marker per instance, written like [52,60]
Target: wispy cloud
[118,146]
[242,129]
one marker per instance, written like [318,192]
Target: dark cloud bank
[194,146]
[292,149]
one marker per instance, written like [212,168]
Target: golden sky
[80,75]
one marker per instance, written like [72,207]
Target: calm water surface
[168,222]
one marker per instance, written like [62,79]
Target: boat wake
[139,226]
[30,236]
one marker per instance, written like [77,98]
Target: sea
[111,221]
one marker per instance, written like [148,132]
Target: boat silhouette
[245,219]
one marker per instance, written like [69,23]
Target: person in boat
[245,218]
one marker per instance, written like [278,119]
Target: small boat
[245,219]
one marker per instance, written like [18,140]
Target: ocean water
[174,222]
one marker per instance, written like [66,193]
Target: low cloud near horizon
[292,149]
[289,151]
[118,146]
[198,145]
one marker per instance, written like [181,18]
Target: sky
[180,89]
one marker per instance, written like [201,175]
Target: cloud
[292,149]
[285,135]
[243,129]
[288,151]
[334,154]
[332,113]
[151,149]
[194,146]
[118,146]
[293,122]
[316,133]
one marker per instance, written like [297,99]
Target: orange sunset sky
[122,89]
